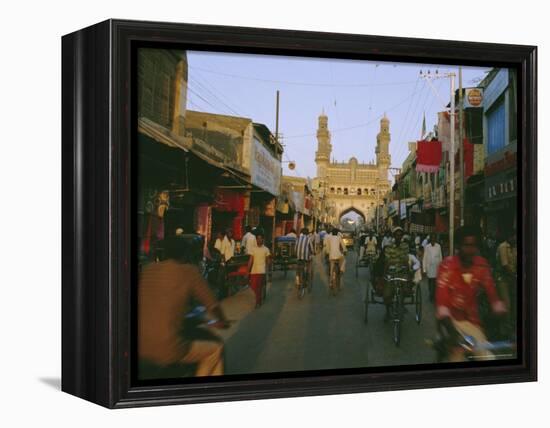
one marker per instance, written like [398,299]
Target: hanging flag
[423,132]
[428,156]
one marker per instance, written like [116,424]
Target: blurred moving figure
[459,282]
[165,292]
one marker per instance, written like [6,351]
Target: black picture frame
[97,258]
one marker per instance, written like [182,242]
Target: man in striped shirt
[304,251]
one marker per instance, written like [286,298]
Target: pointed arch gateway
[351,212]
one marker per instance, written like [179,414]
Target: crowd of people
[455,283]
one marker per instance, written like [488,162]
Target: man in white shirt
[432,259]
[370,244]
[225,244]
[292,234]
[336,250]
[229,245]
[249,240]
[388,240]
[426,241]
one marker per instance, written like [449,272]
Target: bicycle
[304,280]
[335,277]
[398,278]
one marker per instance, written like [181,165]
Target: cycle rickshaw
[284,258]
[367,260]
[406,292]
[236,274]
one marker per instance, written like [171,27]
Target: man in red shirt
[459,281]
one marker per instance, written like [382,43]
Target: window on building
[345,190]
[496,128]
[339,191]
[358,192]
[366,191]
[332,190]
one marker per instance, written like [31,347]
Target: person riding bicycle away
[460,278]
[260,257]
[336,251]
[361,242]
[165,291]
[396,256]
[304,251]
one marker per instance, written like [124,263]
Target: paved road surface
[325,332]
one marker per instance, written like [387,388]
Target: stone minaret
[383,158]
[324,148]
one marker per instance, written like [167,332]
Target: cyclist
[370,244]
[304,251]
[460,278]
[396,256]
[336,251]
[165,292]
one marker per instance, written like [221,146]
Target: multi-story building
[353,185]
[500,142]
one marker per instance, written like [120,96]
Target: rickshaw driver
[397,256]
[370,244]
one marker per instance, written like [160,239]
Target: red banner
[428,156]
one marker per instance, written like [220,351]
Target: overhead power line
[360,125]
[286,82]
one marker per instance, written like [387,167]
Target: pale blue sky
[354,95]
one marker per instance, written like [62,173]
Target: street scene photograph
[301,214]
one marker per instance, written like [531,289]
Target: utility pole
[428,76]
[452,168]
[274,227]
[461,142]
[277,118]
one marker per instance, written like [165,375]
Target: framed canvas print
[253,213]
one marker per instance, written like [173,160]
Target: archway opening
[352,219]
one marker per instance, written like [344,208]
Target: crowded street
[391,245]
[322,331]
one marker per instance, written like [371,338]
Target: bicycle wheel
[418,304]
[332,286]
[397,318]
[366,302]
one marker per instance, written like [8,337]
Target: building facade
[352,186]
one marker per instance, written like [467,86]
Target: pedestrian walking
[506,276]
[257,267]
[430,263]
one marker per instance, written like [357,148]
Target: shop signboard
[265,169]
[501,186]
[473,97]
[403,210]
